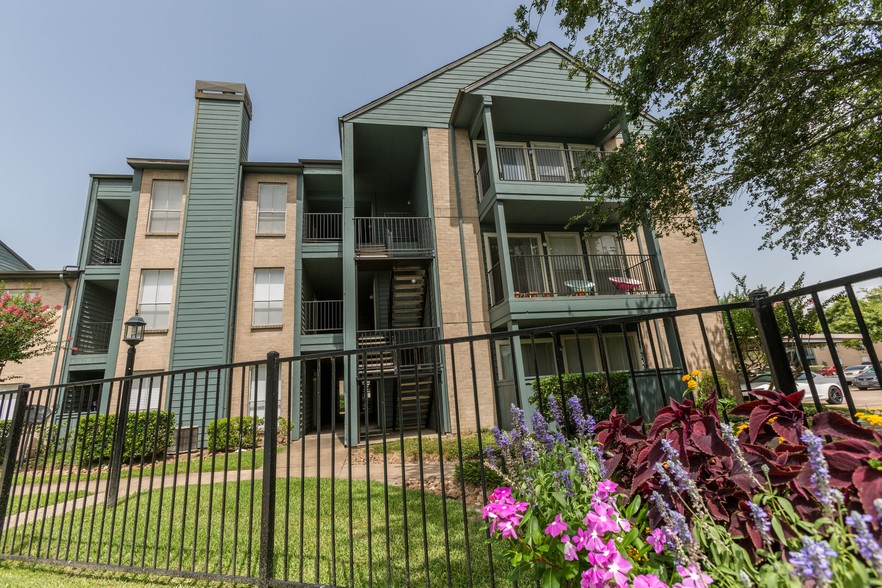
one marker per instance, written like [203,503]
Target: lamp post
[133,334]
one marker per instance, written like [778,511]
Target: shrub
[470,473]
[235,433]
[147,435]
[598,397]
[5,428]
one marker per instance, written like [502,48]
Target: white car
[828,388]
[854,370]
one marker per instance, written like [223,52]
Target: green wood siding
[430,103]
[114,188]
[9,261]
[543,79]
[206,274]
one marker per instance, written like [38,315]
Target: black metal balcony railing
[92,337]
[387,361]
[321,227]
[106,251]
[535,164]
[322,316]
[404,236]
[545,276]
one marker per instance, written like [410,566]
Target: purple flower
[581,465]
[563,480]
[648,581]
[570,552]
[589,540]
[595,577]
[556,527]
[585,423]
[600,519]
[812,562]
[540,431]
[761,521]
[601,461]
[657,540]
[618,568]
[867,545]
[732,442]
[555,412]
[693,577]
[820,478]
[603,556]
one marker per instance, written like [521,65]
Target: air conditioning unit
[186,439]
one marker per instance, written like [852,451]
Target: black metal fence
[334,469]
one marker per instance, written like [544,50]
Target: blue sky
[87,84]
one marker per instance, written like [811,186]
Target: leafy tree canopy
[776,104]
[840,315]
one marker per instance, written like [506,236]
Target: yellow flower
[782,440]
[695,373]
[692,384]
[686,378]
[741,428]
[773,419]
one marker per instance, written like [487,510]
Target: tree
[840,316]
[26,327]
[776,104]
[745,327]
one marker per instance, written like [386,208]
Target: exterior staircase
[414,408]
[408,297]
[377,362]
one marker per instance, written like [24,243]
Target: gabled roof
[433,75]
[10,260]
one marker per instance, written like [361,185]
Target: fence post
[10,456]
[268,503]
[772,342]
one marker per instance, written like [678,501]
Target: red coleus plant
[855,461]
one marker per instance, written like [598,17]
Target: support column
[517,362]
[654,249]
[502,241]
[296,369]
[350,293]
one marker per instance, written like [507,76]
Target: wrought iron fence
[319,470]
[398,236]
[322,227]
[106,251]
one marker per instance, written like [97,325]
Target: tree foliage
[775,104]
[841,319]
[26,327]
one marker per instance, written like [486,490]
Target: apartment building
[446,216]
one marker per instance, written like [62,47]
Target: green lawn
[230,546]
[449,446]
[22,575]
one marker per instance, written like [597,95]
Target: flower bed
[688,501]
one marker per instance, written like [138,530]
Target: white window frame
[539,248]
[155,305]
[575,150]
[559,147]
[145,393]
[257,391]
[268,297]
[169,214]
[268,217]
[528,168]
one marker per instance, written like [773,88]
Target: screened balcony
[398,236]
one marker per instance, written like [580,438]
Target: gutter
[73,272]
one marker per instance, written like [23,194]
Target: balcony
[535,164]
[322,316]
[551,276]
[386,362]
[387,237]
[92,338]
[322,227]
[106,251]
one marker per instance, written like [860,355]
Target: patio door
[513,161]
[525,256]
[606,261]
[548,159]
[566,263]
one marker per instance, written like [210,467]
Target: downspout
[462,252]
[58,343]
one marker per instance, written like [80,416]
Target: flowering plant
[25,327]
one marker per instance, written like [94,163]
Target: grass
[210,528]
[449,446]
[25,502]
[15,574]
[217,462]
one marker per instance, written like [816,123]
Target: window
[154,303]
[145,394]
[257,392]
[548,159]
[79,399]
[165,206]
[271,202]
[513,161]
[268,292]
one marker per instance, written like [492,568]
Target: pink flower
[657,540]
[589,540]
[500,494]
[607,487]
[603,556]
[599,519]
[618,567]
[556,527]
[509,530]
[623,523]
[594,578]
[648,581]
[570,553]
[693,577]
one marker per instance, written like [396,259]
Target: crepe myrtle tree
[774,105]
[26,327]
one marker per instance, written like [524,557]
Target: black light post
[134,334]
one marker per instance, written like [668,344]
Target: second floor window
[154,302]
[269,290]
[165,206]
[271,201]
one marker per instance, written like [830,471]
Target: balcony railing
[92,337]
[535,164]
[320,227]
[546,276]
[404,236]
[106,251]
[322,316]
[387,361]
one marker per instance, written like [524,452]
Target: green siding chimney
[206,278]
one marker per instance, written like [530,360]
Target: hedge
[235,433]
[598,398]
[147,436]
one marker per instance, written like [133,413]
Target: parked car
[828,371]
[853,370]
[867,379]
[828,388]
